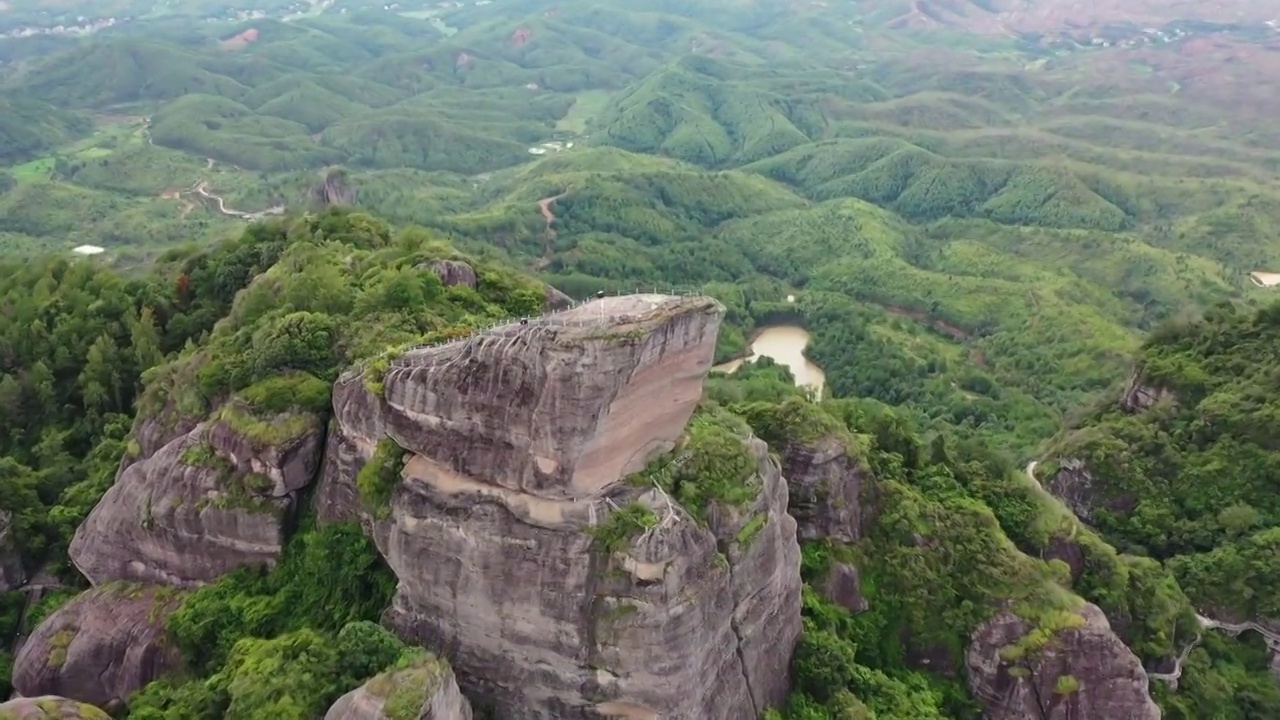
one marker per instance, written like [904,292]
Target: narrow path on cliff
[548,236]
[1271,637]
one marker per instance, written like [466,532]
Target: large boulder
[101,647]
[12,575]
[427,690]
[193,511]
[827,482]
[284,448]
[454,272]
[511,453]
[49,707]
[1081,671]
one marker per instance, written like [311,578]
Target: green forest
[1000,257]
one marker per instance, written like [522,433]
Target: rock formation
[515,446]
[333,189]
[454,272]
[49,707]
[207,502]
[826,484]
[1139,396]
[426,691]
[1081,672]
[101,647]
[554,300]
[12,575]
[1075,485]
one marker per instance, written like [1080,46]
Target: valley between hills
[737,359]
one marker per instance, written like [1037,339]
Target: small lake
[785,344]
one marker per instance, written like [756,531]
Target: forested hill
[1183,465]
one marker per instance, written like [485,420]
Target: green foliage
[326,579]
[283,392]
[1190,480]
[379,477]
[711,464]
[623,525]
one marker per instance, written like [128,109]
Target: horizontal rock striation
[517,443]
[188,514]
[427,690]
[101,647]
[1081,672]
[558,408]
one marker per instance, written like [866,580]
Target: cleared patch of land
[586,106]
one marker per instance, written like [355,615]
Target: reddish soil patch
[941,326]
[463,61]
[239,42]
[170,195]
[521,36]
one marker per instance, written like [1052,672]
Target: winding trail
[1271,637]
[549,235]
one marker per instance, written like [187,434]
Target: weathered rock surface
[12,575]
[559,408]
[554,300]
[101,647]
[429,688]
[290,464]
[1081,491]
[454,272]
[516,442]
[183,516]
[1083,672]
[844,588]
[333,189]
[826,485]
[49,707]
[1139,396]
[152,432]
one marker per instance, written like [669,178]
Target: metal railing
[551,319]
[547,319]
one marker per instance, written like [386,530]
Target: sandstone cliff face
[101,647]
[1081,491]
[49,708]
[153,432]
[428,690]
[12,575]
[193,511]
[516,444]
[826,486]
[1083,672]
